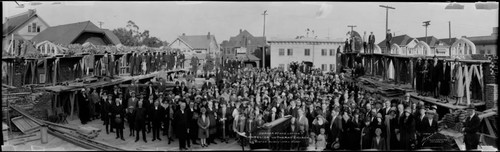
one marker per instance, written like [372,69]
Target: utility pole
[100,24]
[426,24]
[449,37]
[387,7]
[352,36]
[264,35]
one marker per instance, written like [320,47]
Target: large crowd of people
[330,109]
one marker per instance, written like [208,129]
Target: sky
[168,20]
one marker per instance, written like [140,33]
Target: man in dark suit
[371,42]
[157,113]
[140,120]
[193,117]
[181,120]
[388,38]
[83,102]
[334,127]
[150,90]
[177,89]
[471,127]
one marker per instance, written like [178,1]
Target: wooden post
[55,102]
[56,68]
[45,64]
[44,135]
[72,102]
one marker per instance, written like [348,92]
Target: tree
[131,36]
[194,64]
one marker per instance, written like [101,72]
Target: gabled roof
[431,41]
[114,39]
[483,40]
[66,34]
[447,40]
[401,40]
[244,35]
[198,41]
[17,21]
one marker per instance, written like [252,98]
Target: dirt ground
[57,144]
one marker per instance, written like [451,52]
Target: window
[307,52]
[290,52]
[332,52]
[489,51]
[29,28]
[323,52]
[323,67]
[38,29]
[282,65]
[33,26]
[282,52]
[332,67]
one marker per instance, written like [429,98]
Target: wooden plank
[488,125]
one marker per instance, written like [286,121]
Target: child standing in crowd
[321,140]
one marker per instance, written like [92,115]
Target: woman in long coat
[407,129]
[459,82]
[203,124]
[418,77]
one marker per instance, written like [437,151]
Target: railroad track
[59,131]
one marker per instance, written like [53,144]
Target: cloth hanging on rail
[459,82]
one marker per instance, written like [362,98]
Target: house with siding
[22,26]
[440,48]
[77,33]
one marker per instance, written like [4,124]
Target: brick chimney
[241,30]
[208,36]
[183,34]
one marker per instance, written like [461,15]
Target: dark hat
[471,106]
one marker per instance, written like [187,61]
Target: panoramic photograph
[245,76]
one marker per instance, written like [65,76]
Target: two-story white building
[322,53]
[196,45]
[22,26]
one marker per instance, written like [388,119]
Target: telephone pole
[264,35]
[426,24]
[387,7]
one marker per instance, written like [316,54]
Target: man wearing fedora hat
[471,127]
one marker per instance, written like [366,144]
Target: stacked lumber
[89,132]
[455,120]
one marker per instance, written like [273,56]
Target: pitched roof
[66,34]
[400,40]
[483,40]
[16,21]
[244,35]
[114,39]
[198,41]
[447,40]
[431,41]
